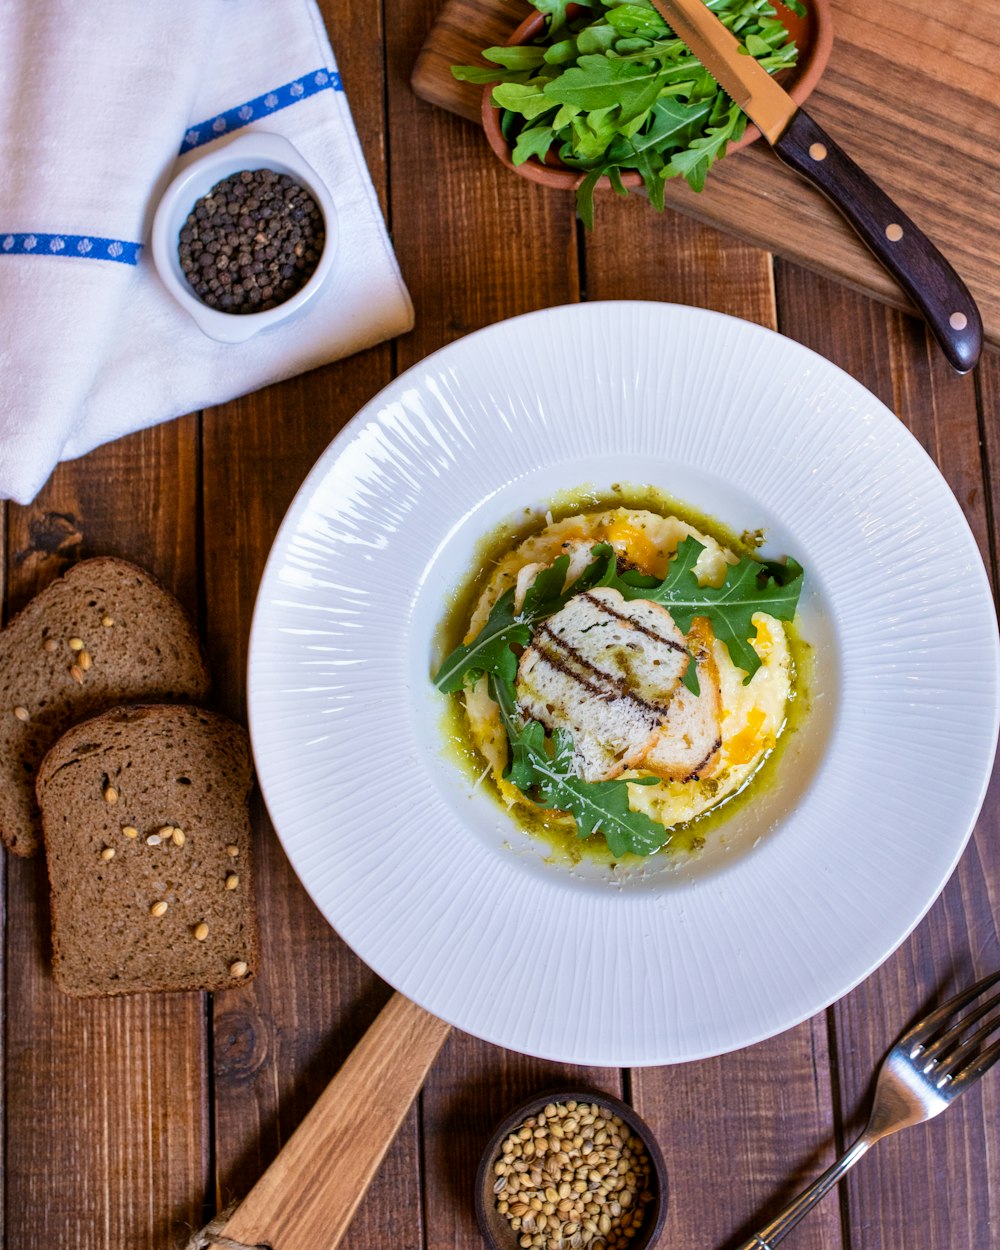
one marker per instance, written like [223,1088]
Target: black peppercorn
[253,222]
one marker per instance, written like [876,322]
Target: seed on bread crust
[108,853]
[232,850]
[110,794]
[107,621]
[200,931]
[75,644]
[239,969]
[84,660]
[232,881]
[159,908]
[76,672]
[130,831]
[50,645]
[22,713]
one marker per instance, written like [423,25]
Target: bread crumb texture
[160,914]
[103,634]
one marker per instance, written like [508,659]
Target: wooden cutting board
[912,92]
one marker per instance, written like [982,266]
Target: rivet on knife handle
[901,246]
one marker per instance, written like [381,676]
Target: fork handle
[786,1220]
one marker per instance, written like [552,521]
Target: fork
[929,1066]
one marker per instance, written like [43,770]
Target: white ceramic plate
[811,887]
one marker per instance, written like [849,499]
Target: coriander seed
[558,1185]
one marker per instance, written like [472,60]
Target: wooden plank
[763,1115]
[931,1185]
[476,247]
[277,1046]
[910,93]
[106,1099]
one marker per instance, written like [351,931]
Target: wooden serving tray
[912,92]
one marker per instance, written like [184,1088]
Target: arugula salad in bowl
[625,676]
[604,93]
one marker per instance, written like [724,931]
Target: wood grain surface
[128,1123]
[910,92]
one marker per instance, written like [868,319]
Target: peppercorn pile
[573,1177]
[252,242]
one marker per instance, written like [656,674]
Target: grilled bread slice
[605,670]
[689,745]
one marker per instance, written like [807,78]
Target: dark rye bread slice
[137,644]
[147,839]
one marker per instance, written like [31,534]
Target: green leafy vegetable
[490,651]
[596,806]
[750,586]
[612,89]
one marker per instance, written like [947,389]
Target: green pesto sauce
[560,831]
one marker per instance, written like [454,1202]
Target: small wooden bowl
[813,34]
[495,1228]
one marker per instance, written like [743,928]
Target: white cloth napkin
[96,103]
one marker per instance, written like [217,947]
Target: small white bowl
[256,150]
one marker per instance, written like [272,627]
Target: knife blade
[903,249]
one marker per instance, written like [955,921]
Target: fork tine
[929,1025]
[951,1036]
[953,1059]
[969,1075]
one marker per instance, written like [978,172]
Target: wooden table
[128,1121]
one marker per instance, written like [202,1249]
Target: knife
[901,246]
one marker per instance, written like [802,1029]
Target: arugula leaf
[524,98]
[750,586]
[521,56]
[490,651]
[596,806]
[535,141]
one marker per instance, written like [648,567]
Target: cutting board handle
[307,1197]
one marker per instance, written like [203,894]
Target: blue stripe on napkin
[93,247]
[261,106]
[90,246]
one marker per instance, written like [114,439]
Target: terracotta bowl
[496,1231]
[813,34]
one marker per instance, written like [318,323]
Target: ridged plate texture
[804,892]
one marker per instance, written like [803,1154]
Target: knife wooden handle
[901,246]
[306,1198]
